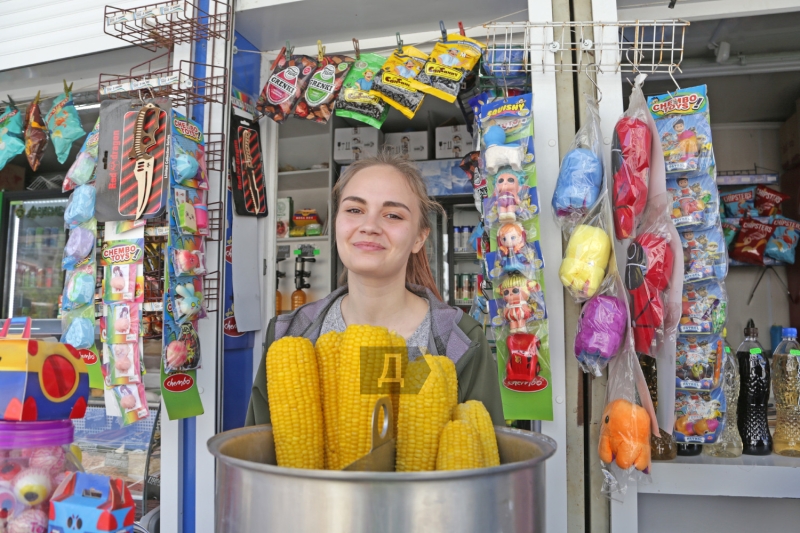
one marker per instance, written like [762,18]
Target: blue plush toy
[579,182]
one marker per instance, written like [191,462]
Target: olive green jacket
[453,333]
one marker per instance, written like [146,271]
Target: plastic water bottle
[754,374]
[786,383]
[729,443]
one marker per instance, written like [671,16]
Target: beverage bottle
[786,381]
[754,374]
[729,443]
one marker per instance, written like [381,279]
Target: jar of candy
[34,459]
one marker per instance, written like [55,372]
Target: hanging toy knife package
[319,97]
[287,82]
[450,62]
[35,134]
[354,100]
[82,170]
[187,160]
[64,124]
[247,179]
[695,200]
[394,83]
[630,164]
[12,142]
[684,129]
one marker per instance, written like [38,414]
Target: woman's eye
[354,210]
[394,216]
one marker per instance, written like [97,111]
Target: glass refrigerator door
[36,240]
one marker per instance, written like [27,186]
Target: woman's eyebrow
[396,204]
[355,199]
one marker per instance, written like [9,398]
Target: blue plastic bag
[11,139]
[64,124]
[82,170]
[579,182]
[81,206]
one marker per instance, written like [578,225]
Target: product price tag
[795,353]
[755,350]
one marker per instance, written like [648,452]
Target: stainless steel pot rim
[548,449]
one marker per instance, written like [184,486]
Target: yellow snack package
[448,65]
[394,82]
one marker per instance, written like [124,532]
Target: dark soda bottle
[754,374]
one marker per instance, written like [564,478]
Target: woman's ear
[420,242]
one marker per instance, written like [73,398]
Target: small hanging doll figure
[512,244]
[508,186]
[519,304]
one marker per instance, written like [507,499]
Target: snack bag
[698,361]
[695,200]
[768,201]
[703,308]
[751,242]
[285,85]
[394,82]
[82,170]
[122,363]
[132,402]
[704,255]
[682,119]
[783,242]
[699,415]
[11,137]
[449,64]
[740,203]
[601,329]
[320,95]
[354,100]
[81,206]
[64,124]
[729,230]
[580,177]
[35,134]
[630,164]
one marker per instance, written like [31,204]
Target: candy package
[586,257]
[695,200]
[601,329]
[730,227]
[704,255]
[188,262]
[699,415]
[768,201]
[354,100]
[122,363]
[12,142]
[450,62]
[682,119]
[285,85]
[188,160]
[630,164]
[750,243]
[80,245]
[698,361]
[78,327]
[79,285]
[318,100]
[394,82]
[132,403]
[81,206]
[704,308]
[580,177]
[783,242]
[507,133]
[740,203]
[122,323]
[64,124]
[82,170]
[35,134]
[123,278]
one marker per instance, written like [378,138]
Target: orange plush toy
[625,435]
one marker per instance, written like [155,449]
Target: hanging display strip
[638,46]
[164,24]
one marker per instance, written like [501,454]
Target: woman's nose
[370,224]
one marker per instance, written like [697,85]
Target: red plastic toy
[631,166]
[523,360]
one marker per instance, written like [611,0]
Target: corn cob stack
[474,413]
[294,403]
[327,359]
[459,447]
[400,343]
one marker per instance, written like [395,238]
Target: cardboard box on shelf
[452,142]
[790,142]
[411,144]
[445,177]
[285,209]
[352,144]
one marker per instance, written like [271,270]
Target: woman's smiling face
[377,224]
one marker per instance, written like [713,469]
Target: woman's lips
[368,246]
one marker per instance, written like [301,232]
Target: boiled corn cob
[294,403]
[474,412]
[327,359]
[422,415]
[397,342]
[356,403]
[459,447]
[452,379]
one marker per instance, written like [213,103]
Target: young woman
[381,211]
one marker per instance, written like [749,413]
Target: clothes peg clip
[443,30]
[280,55]
[289,49]
[461,29]
[399,43]
[320,51]
[357,48]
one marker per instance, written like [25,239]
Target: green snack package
[354,100]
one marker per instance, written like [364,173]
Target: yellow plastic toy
[585,262]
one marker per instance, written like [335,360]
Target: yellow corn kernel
[474,412]
[459,447]
[294,403]
[422,416]
[398,342]
[449,368]
[328,358]
[356,404]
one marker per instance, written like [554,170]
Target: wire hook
[596,71]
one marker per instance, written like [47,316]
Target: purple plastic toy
[601,329]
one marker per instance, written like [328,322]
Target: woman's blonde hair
[418,271]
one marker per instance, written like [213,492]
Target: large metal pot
[254,495]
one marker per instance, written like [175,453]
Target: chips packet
[354,99]
[783,242]
[82,170]
[285,85]
[318,101]
[394,82]
[35,134]
[768,201]
[11,137]
[64,124]
[450,62]
[740,203]
[729,230]
[751,242]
